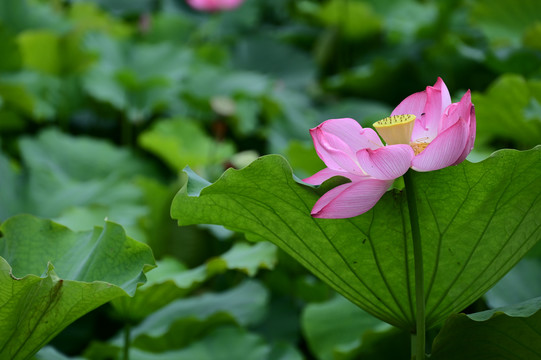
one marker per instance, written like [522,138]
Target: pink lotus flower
[425,132]
[444,133]
[214,5]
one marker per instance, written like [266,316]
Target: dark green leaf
[51,276]
[512,332]
[477,221]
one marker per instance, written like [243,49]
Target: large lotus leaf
[50,276]
[477,221]
[511,332]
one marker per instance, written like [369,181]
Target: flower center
[418,147]
[396,129]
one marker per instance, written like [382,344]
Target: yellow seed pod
[396,129]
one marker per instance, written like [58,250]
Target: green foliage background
[103,103]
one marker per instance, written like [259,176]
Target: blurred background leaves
[102,103]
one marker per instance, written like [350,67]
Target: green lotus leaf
[51,276]
[511,332]
[477,221]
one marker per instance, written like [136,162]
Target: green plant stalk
[419,338]
[127,335]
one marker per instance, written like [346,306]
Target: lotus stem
[419,337]
[127,335]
